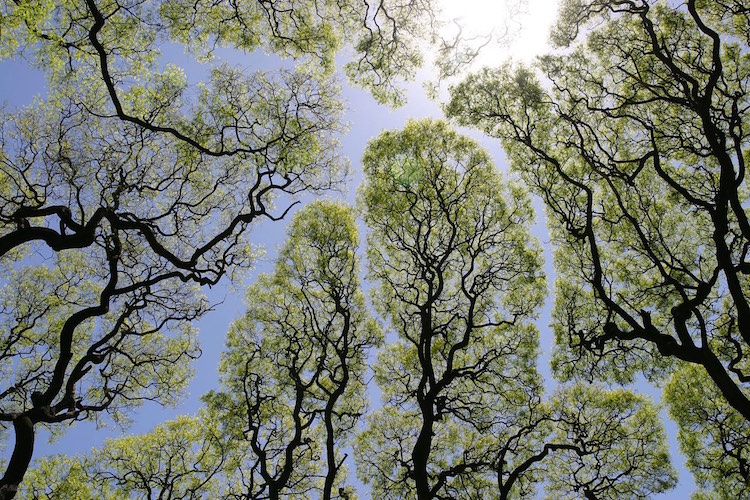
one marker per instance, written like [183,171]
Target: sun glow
[519,28]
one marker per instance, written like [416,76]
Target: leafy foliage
[134,187]
[467,412]
[293,389]
[620,449]
[712,434]
[128,187]
[459,278]
[293,373]
[637,144]
[178,459]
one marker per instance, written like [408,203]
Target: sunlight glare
[527,25]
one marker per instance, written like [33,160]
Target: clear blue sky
[18,86]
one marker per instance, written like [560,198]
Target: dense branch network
[459,279]
[638,147]
[134,188]
[292,389]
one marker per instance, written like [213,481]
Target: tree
[125,188]
[180,459]
[459,279]
[714,437]
[126,219]
[292,376]
[58,477]
[293,373]
[606,444]
[293,389]
[637,145]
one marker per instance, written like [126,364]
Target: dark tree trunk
[21,457]
[273,491]
[342,353]
[421,454]
[333,467]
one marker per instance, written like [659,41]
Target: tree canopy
[132,184]
[128,186]
[293,373]
[456,270]
[292,390]
[635,138]
[459,280]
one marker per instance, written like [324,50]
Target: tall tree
[126,219]
[714,437]
[293,390]
[293,373]
[125,188]
[637,144]
[179,459]
[459,279]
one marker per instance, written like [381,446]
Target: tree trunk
[330,457]
[421,454]
[21,457]
[273,491]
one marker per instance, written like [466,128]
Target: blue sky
[18,86]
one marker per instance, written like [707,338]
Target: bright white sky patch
[528,21]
